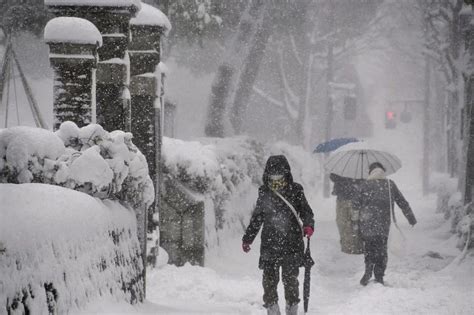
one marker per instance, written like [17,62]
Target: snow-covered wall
[62,248]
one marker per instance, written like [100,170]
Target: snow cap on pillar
[151,16]
[72,30]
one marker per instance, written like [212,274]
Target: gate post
[146,89]
[113,22]
[73,44]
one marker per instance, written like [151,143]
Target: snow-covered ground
[231,283]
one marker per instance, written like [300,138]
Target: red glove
[308,231]
[246,247]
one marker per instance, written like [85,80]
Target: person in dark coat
[282,235]
[346,189]
[377,197]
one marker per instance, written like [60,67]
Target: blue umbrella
[333,144]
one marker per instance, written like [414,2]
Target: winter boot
[367,275]
[379,280]
[273,309]
[291,309]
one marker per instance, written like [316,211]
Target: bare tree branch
[267,97]
[295,50]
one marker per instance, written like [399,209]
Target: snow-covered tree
[444,44]
[308,51]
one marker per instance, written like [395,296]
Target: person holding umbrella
[286,217]
[375,204]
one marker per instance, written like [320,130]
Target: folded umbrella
[308,262]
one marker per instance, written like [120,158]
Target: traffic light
[350,108]
[390,122]
[405,116]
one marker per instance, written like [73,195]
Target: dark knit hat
[374,166]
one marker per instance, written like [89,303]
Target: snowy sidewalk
[416,283]
[231,282]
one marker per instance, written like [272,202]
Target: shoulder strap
[300,222]
[392,211]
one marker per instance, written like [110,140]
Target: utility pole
[329,105]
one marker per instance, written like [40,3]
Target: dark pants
[271,277]
[375,255]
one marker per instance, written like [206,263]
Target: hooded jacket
[282,241]
[374,206]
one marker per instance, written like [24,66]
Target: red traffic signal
[390,122]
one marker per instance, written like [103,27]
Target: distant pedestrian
[375,202]
[346,190]
[282,233]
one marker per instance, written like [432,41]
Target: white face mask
[276,177]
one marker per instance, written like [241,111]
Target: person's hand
[308,231]
[412,222]
[246,247]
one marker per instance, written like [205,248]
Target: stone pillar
[113,76]
[73,44]
[145,87]
[146,29]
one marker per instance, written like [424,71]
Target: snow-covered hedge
[89,159]
[450,203]
[63,248]
[226,173]
[63,245]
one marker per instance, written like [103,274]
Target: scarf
[377,173]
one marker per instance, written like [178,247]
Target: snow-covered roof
[72,30]
[149,15]
[93,3]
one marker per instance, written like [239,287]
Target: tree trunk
[227,76]
[250,72]
[469,115]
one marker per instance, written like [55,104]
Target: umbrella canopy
[354,163]
[333,144]
[308,263]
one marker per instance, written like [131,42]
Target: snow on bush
[450,203]
[227,173]
[88,159]
[63,248]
